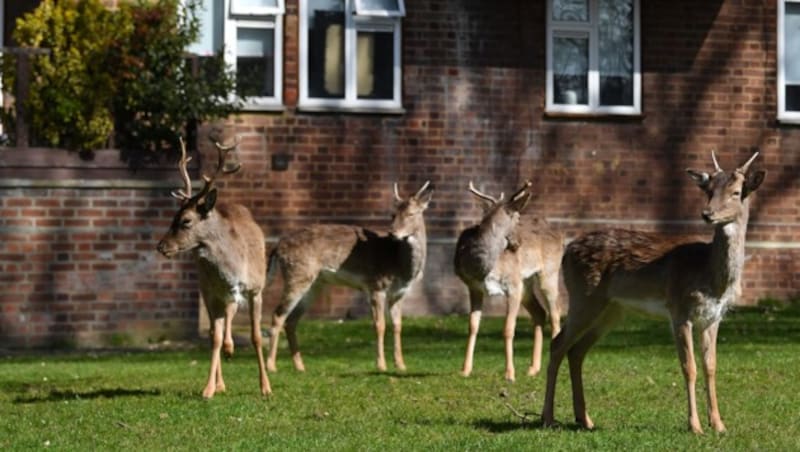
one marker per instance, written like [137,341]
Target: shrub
[69,102]
[120,72]
[158,92]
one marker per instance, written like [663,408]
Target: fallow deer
[229,249]
[382,265]
[515,257]
[691,283]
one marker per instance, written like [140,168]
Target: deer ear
[425,199]
[208,202]
[519,202]
[701,178]
[752,181]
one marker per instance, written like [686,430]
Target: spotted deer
[691,283]
[517,258]
[228,247]
[382,265]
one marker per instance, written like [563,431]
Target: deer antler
[422,190]
[717,169]
[397,194]
[482,195]
[521,191]
[222,154]
[743,169]
[186,193]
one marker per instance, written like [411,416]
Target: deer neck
[727,253]
[490,244]
[217,250]
[419,250]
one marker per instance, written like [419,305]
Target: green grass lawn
[150,400]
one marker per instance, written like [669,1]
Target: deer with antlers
[691,283]
[382,265]
[516,258]
[229,249]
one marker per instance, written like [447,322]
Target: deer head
[191,226]
[500,217]
[727,191]
[407,218]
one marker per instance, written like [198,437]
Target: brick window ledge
[559,115]
[57,167]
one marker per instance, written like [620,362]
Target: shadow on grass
[389,374]
[58,395]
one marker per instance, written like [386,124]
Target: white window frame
[257,11]
[783,115]
[590,29]
[260,18]
[353,23]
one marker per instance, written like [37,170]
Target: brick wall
[474,81]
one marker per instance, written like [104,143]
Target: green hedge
[119,73]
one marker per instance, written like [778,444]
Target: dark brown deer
[229,249]
[517,258]
[382,265]
[691,283]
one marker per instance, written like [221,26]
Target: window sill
[276,108]
[571,116]
[793,120]
[351,109]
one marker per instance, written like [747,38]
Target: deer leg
[538,316]
[255,337]
[546,291]
[514,299]
[475,307]
[396,313]
[215,372]
[291,334]
[577,354]
[685,345]
[378,302]
[582,315]
[709,348]
[293,292]
[227,343]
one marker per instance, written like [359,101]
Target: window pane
[792,97]
[326,48]
[255,62]
[211,16]
[615,23]
[791,43]
[571,10]
[375,62]
[570,70]
[378,5]
[241,5]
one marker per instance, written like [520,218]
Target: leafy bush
[70,91]
[120,72]
[158,91]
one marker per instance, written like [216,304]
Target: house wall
[474,81]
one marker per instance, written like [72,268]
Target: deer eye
[186,223]
[736,194]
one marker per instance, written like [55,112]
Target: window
[789,61]
[593,57]
[250,32]
[350,54]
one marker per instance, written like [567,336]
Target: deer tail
[272,264]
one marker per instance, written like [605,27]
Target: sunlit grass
[151,400]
